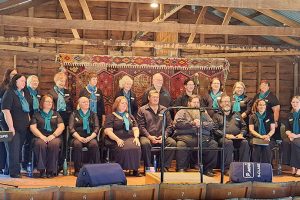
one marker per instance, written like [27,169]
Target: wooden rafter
[251,22]
[145,44]
[199,21]
[68,17]
[227,17]
[147,26]
[280,18]
[86,10]
[245,54]
[25,49]
[159,19]
[129,16]
[254,4]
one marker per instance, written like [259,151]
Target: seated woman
[291,148]
[261,126]
[122,128]
[47,125]
[84,127]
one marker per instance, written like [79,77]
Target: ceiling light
[154,5]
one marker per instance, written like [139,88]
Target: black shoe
[209,173]
[212,171]
[15,176]
[180,170]
[196,167]
[226,172]
[136,173]
[50,175]
[76,173]
[43,174]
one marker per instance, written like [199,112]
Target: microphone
[196,79]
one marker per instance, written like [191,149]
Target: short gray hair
[29,79]
[124,80]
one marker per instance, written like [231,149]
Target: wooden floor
[150,178]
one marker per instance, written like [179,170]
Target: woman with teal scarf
[47,126]
[241,102]
[211,99]
[33,94]
[261,126]
[291,148]
[84,127]
[122,129]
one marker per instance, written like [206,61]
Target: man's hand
[152,139]
[240,136]
[230,136]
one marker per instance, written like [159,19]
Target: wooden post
[259,74]
[39,73]
[277,78]
[296,76]
[15,61]
[241,71]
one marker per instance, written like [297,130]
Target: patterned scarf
[128,97]
[125,119]
[33,94]
[85,120]
[237,103]
[263,95]
[296,128]
[215,98]
[61,103]
[93,98]
[23,101]
[261,127]
[47,117]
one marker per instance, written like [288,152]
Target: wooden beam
[146,44]
[227,17]
[26,49]
[296,76]
[129,16]
[277,79]
[245,54]
[86,10]
[68,17]
[255,23]
[241,71]
[30,29]
[284,20]
[259,74]
[147,26]
[199,21]
[257,4]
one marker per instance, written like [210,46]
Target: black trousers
[14,149]
[146,146]
[209,156]
[263,153]
[2,156]
[93,152]
[230,145]
[291,152]
[47,154]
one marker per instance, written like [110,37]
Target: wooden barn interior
[260,39]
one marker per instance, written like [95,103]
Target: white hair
[29,79]
[123,80]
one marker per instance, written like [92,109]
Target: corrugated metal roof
[293,15]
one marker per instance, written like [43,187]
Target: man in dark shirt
[150,120]
[236,130]
[189,87]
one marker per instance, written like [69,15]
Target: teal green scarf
[61,103]
[261,127]
[35,100]
[85,120]
[215,98]
[125,119]
[296,128]
[263,95]
[47,117]
[237,103]
[23,101]
[93,98]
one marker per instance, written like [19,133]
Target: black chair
[217,191]
[182,191]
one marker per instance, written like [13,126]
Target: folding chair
[78,193]
[227,191]
[50,193]
[271,190]
[182,191]
[137,192]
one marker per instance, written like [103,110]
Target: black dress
[100,102]
[3,127]
[46,153]
[10,101]
[207,101]
[76,125]
[129,155]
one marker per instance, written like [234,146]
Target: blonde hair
[123,80]
[59,75]
[29,79]
[117,102]
[242,84]
[79,100]
[295,97]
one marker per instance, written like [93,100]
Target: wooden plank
[26,49]
[296,76]
[286,21]
[86,10]
[244,54]
[68,17]
[259,70]
[147,26]
[30,29]
[129,16]
[257,4]
[241,71]
[199,21]
[277,79]
[251,22]
[227,17]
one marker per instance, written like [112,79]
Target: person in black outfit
[186,124]
[95,96]
[291,148]
[182,100]
[9,73]
[47,126]
[84,127]
[123,130]
[15,108]
[125,85]
[261,126]
[211,98]
[236,130]
[150,120]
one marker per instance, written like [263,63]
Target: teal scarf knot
[35,100]
[85,120]
[61,103]
[23,101]
[263,95]
[261,127]
[296,128]
[125,119]
[128,97]
[47,117]
[237,103]
[215,98]
[93,98]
